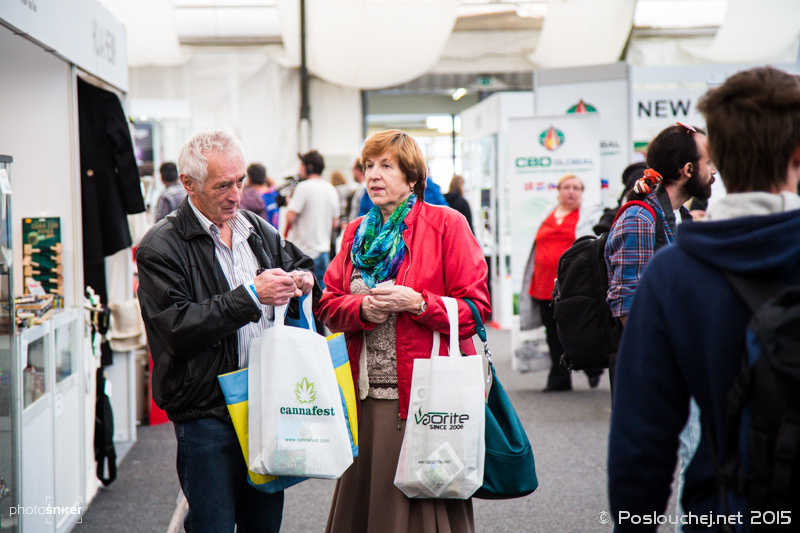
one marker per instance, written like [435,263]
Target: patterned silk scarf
[378,249]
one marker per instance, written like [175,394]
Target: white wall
[36,128]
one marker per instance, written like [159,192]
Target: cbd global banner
[601,90]
[540,151]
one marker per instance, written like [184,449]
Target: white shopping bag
[443,448]
[296,422]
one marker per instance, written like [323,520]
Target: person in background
[257,175]
[355,202]
[681,168]
[630,176]
[251,194]
[557,233]
[455,199]
[345,190]
[686,331]
[174,193]
[313,213]
[209,277]
[383,291]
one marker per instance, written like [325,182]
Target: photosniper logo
[551,138]
[305,393]
[441,420]
[581,108]
[48,511]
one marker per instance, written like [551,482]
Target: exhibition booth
[52,54]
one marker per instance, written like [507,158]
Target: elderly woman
[555,235]
[383,291]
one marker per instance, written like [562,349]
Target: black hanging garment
[110,188]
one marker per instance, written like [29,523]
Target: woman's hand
[373,311]
[397,298]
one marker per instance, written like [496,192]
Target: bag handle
[305,309]
[476,316]
[451,305]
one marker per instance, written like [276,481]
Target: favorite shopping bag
[509,469]
[297,422]
[234,388]
[443,448]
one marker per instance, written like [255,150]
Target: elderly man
[209,276]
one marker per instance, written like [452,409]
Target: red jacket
[442,259]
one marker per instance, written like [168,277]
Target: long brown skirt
[366,500]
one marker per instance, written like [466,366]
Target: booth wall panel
[35,128]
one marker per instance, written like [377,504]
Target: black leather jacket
[190,313]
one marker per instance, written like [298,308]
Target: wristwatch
[422,307]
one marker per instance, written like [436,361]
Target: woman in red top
[555,235]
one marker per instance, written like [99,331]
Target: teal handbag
[509,470]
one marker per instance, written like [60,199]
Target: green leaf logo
[305,392]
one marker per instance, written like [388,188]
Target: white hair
[193,160]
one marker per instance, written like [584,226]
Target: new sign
[652,111]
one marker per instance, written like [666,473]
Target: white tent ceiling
[584,32]
[387,42]
[348,39]
[749,34]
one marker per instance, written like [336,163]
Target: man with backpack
[679,167]
[597,277]
[687,333]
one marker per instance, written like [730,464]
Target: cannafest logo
[305,393]
[551,138]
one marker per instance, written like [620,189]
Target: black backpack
[767,394]
[586,328]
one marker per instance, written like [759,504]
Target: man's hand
[397,298]
[371,311]
[303,279]
[276,287]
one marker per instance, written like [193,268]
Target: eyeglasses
[689,129]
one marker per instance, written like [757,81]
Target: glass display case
[9,418]
[64,343]
[34,384]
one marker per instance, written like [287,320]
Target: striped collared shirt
[239,264]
